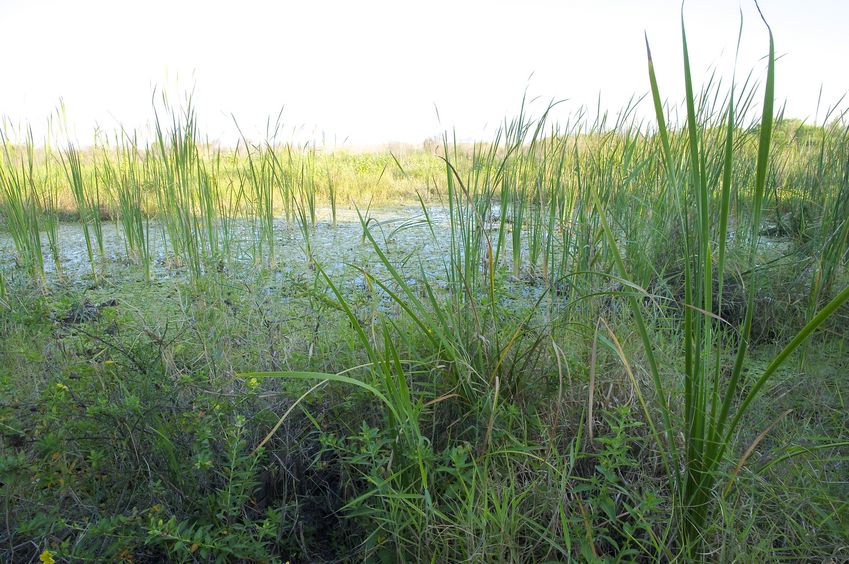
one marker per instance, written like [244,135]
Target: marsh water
[416,242]
[332,246]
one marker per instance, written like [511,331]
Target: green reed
[50,208]
[87,204]
[710,418]
[127,182]
[22,206]
[184,194]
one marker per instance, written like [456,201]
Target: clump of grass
[88,205]
[50,203]
[22,207]
[124,181]
[710,419]
[261,179]
[332,196]
[186,193]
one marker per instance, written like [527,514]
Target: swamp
[600,339]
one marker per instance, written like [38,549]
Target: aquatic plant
[22,207]
[711,410]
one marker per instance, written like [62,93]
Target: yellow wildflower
[47,557]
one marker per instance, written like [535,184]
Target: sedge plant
[715,396]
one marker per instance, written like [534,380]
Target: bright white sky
[368,72]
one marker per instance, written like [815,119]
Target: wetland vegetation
[598,339]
